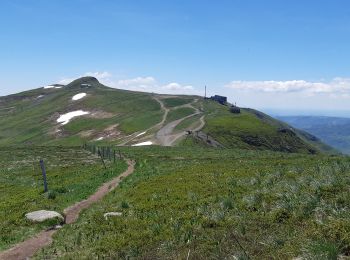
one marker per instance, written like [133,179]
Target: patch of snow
[143,143]
[40,96]
[64,119]
[78,96]
[51,86]
[140,134]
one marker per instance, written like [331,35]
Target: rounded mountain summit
[84,82]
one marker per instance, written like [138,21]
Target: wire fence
[105,152]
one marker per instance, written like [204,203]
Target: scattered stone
[42,215]
[112,214]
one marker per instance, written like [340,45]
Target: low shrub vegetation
[217,204]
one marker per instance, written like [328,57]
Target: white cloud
[177,87]
[99,75]
[138,83]
[294,95]
[335,86]
[150,84]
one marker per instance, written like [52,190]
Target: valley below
[334,131]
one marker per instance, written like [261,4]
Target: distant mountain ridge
[334,131]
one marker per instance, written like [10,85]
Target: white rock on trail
[42,215]
[112,214]
[64,119]
[78,96]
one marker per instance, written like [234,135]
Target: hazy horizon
[316,113]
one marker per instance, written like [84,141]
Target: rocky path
[165,135]
[29,247]
[202,123]
[166,111]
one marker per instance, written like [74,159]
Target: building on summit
[221,99]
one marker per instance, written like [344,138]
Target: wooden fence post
[44,174]
[103,162]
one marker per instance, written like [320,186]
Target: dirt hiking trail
[164,131]
[133,136]
[29,247]
[165,135]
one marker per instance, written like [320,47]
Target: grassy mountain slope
[252,129]
[30,117]
[119,117]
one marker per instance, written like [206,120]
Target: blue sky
[271,54]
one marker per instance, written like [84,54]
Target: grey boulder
[42,215]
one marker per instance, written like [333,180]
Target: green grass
[176,101]
[179,113]
[26,120]
[217,204]
[72,175]
[141,122]
[83,124]
[251,129]
[190,141]
[185,124]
